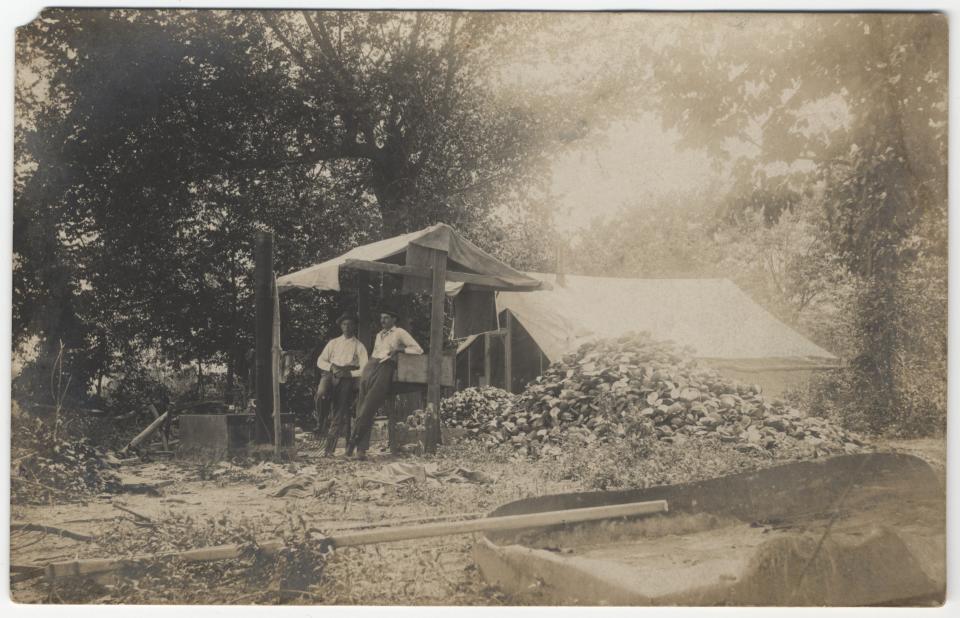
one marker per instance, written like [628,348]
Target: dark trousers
[374,388]
[341,412]
[321,402]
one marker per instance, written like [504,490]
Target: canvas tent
[725,328]
[435,260]
[467,264]
[469,272]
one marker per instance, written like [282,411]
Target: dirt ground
[239,498]
[213,503]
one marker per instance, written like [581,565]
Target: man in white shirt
[339,364]
[378,374]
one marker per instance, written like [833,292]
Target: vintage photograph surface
[479,308]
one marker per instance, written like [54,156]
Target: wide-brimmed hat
[390,310]
[346,316]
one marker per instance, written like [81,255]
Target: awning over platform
[467,264]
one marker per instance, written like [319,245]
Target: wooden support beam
[488,359]
[438,267]
[275,369]
[263,332]
[387,268]
[377,535]
[485,281]
[365,328]
[508,354]
[469,352]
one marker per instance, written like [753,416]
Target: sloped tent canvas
[474,307]
[463,256]
[723,326]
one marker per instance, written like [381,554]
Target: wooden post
[469,352]
[364,316]
[488,359]
[263,332]
[508,354]
[438,267]
[275,369]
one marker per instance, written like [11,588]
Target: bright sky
[635,162]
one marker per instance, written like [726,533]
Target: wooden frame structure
[434,247]
[438,274]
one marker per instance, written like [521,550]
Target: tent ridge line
[425,273]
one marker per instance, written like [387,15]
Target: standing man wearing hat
[339,364]
[378,374]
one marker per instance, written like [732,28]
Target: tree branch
[296,53]
[347,99]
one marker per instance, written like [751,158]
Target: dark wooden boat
[854,530]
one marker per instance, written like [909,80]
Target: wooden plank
[508,522]
[438,266]
[388,523]
[508,354]
[263,332]
[414,369]
[275,367]
[380,535]
[146,433]
[92,566]
[483,281]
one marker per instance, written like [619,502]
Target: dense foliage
[151,145]
[160,141]
[836,214]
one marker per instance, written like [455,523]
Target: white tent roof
[712,316]
[462,255]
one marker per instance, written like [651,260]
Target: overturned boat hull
[866,529]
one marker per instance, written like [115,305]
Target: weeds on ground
[646,462]
[255,577]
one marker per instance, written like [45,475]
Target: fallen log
[70,534]
[367,537]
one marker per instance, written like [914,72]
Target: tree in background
[160,141]
[853,106]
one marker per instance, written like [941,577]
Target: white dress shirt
[343,352]
[390,340]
